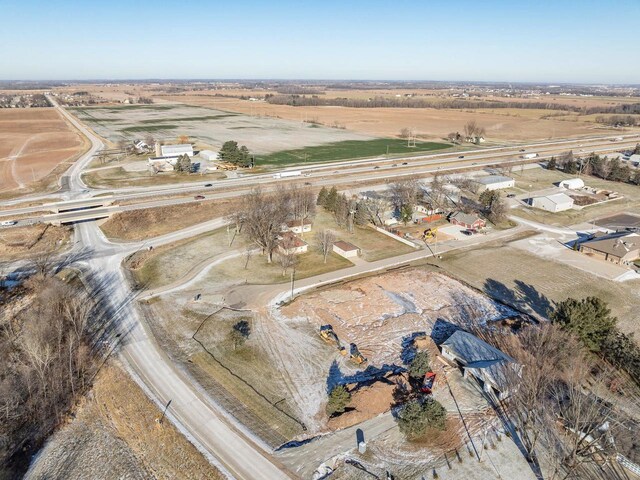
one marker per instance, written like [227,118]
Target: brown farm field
[33,144]
[511,125]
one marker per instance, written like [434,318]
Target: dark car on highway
[199,197]
[405,163]
[460,156]
[208,185]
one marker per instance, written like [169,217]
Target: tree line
[48,360]
[297,100]
[599,166]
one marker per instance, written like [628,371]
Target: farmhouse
[467,220]
[494,182]
[487,364]
[557,202]
[291,244]
[618,248]
[572,184]
[346,249]
[176,150]
[296,226]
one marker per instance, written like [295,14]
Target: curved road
[229,447]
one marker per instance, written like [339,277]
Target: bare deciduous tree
[325,239]
[263,217]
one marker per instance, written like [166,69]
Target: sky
[561,41]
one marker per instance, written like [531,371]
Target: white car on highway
[8,223]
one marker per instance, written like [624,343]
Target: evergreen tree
[590,319]
[322,197]
[552,164]
[332,200]
[339,398]
[415,417]
[406,213]
[419,366]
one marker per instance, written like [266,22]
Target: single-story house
[494,182]
[292,244]
[557,202]
[209,155]
[298,227]
[490,366]
[572,184]
[346,249]
[176,150]
[467,220]
[619,248]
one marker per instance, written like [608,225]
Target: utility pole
[293,276]
[164,412]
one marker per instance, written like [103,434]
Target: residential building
[493,368]
[296,226]
[176,150]
[162,164]
[494,182]
[619,248]
[291,244]
[572,184]
[467,220]
[346,249]
[557,202]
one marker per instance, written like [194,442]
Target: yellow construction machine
[356,356]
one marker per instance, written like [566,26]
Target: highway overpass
[79,204]
[80,215]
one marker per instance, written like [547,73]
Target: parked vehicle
[511,195]
[468,233]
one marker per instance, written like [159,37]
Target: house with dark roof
[490,366]
[619,248]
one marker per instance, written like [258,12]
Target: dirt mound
[366,402]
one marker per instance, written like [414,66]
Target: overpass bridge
[80,215]
[78,205]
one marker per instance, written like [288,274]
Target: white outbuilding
[346,249]
[572,184]
[208,155]
[176,150]
[494,182]
[553,203]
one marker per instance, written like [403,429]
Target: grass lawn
[374,245]
[533,283]
[348,149]
[168,263]
[119,177]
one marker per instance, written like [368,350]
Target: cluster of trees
[603,167]
[23,101]
[404,195]
[261,216]
[183,164]
[344,209]
[619,120]
[493,206]
[590,320]
[47,360]
[230,152]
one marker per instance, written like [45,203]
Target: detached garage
[558,202]
[346,249]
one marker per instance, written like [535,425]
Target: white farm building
[208,155]
[572,184]
[176,150]
[557,202]
[494,182]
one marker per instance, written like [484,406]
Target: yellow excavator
[329,336]
[356,356]
[429,233]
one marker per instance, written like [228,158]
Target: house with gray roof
[620,248]
[490,366]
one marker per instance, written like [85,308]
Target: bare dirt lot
[510,125]
[115,435]
[33,142]
[208,127]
